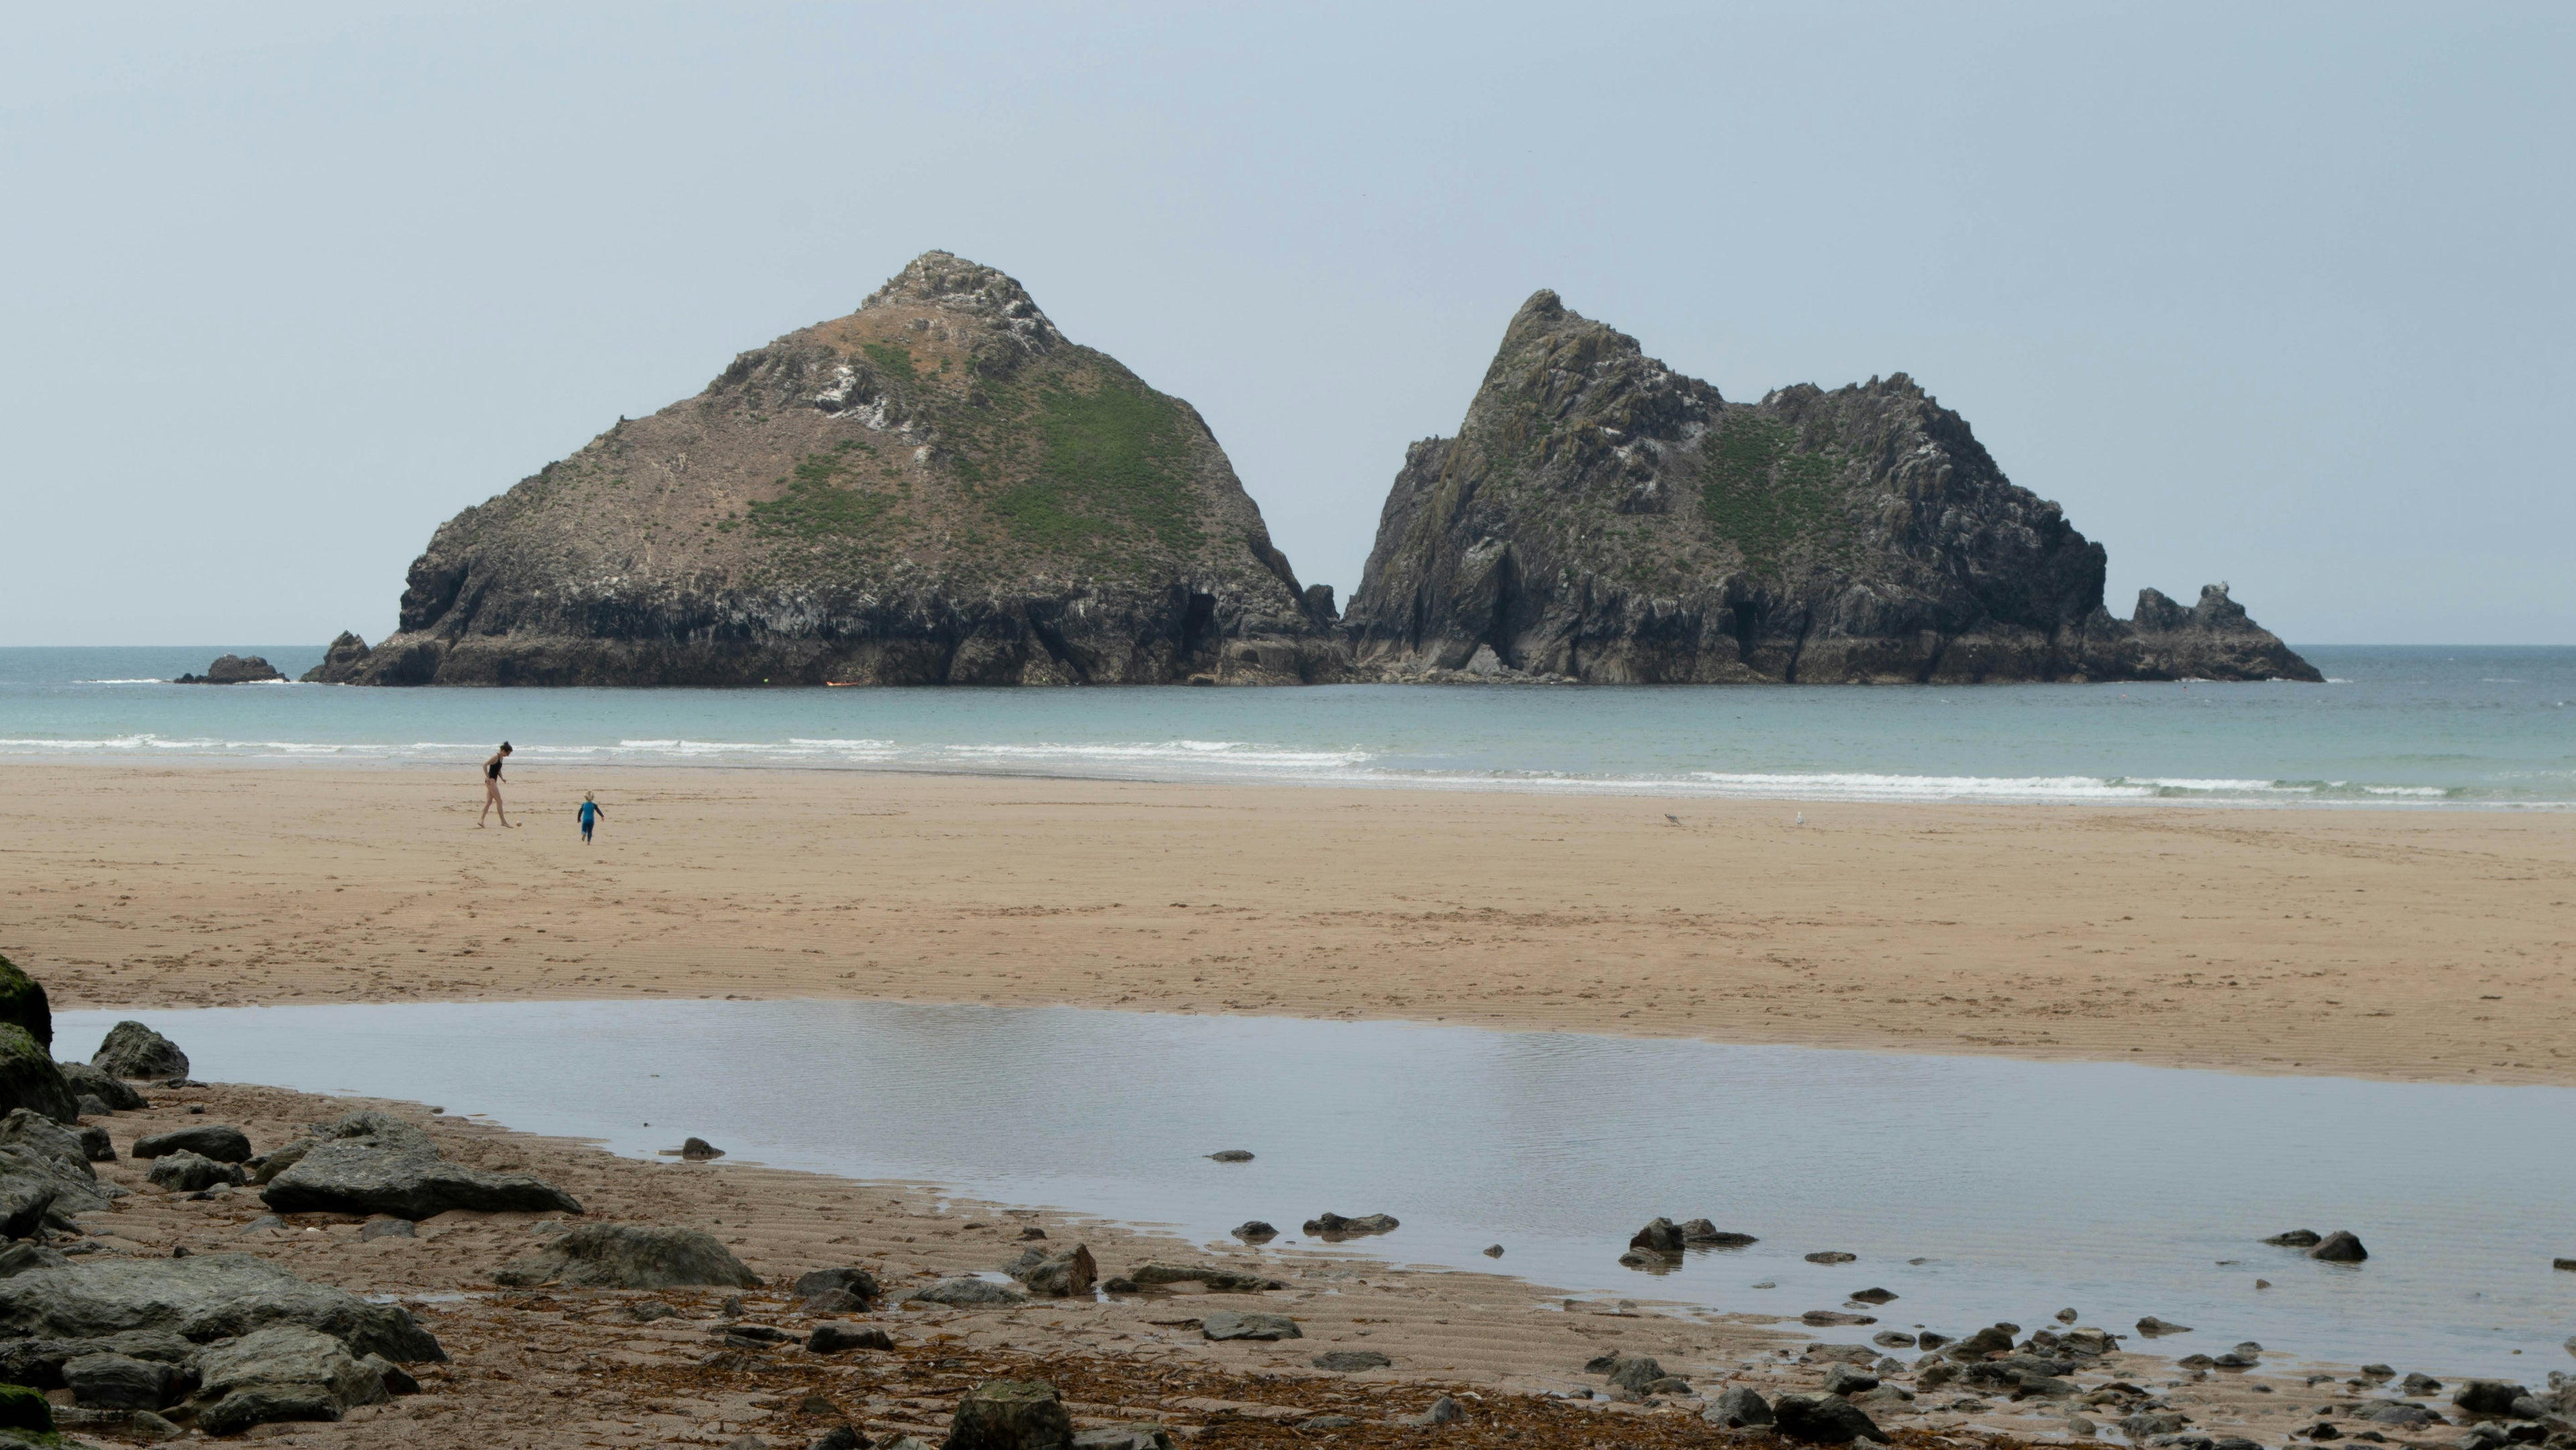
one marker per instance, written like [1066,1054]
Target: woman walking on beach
[492,786]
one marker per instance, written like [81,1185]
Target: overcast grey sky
[2279,294]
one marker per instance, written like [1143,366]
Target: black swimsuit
[492,770]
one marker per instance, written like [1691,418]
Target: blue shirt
[589,812]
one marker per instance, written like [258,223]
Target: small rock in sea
[1930,1339]
[2249,1346]
[217,1141]
[2066,1316]
[1700,1233]
[1227,1324]
[2419,1383]
[1824,1420]
[2569,1265]
[1444,1410]
[1333,1225]
[2340,1247]
[2151,1327]
[1662,1236]
[1230,1155]
[2378,1372]
[1873,1296]
[1831,1256]
[1822,1318]
[699,1150]
[1493,1251]
[2262,1283]
[1766,1284]
[1737,1407]
[234,670]
[1255,1231]
[835,1338]
[1347,1361]
[1892,1339]
[132,1050]
[2297,1238]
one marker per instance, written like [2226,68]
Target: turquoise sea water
[2422,726]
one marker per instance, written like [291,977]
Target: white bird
[1802,818]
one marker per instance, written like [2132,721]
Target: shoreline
[2392,945]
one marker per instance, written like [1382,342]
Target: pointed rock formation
[1601,517]
[935,489]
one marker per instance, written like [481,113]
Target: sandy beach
[2421,945]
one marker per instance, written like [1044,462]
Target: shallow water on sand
[1976,1189]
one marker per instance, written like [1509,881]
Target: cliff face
[1601,517]
[937,488]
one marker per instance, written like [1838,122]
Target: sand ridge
[2425,945]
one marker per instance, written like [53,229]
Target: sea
[2426,727]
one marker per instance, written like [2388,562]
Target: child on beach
[590,814]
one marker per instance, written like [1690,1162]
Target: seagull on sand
[1676,820]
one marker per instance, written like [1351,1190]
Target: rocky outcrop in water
[935,489]
[234,670]
[1602,518]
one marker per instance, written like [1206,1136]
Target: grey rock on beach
[29,1079]
[201,1297]
[86,1081]
[370,1162]
[629,1256]
[284,1372]
[1824,1420]
[217,1141]
[1056,1275]
[968,1293]
[1010,1415]
[181,1171]
[132,1050]
[1350,1361]
[1738,1407]
[1211,1277]
[1227,1324]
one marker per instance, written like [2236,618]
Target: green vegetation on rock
[25,1408]
[1762,493]
[815,507]
[893,361]
[1115,463]
[23,1004]
[29,1079]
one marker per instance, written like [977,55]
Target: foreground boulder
[1737,1407]
[836,1291]
[1057,1275]
[200,1298]
[110,1381]
[1603,518]
[23,1004]
[218,1141]
[629,1256]
[1011,1415]
[284,1372]
[373,1163]
[133,1050]
[29,1079]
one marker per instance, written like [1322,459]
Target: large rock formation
[937,488]
[1601,517]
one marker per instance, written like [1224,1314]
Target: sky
[2280,295]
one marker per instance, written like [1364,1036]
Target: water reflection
[1975,1189]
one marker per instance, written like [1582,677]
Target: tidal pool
[1975,1189]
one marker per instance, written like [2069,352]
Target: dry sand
[564,1368]
[2412,945]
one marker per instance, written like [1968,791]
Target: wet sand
[557,1367]
[2412,945]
